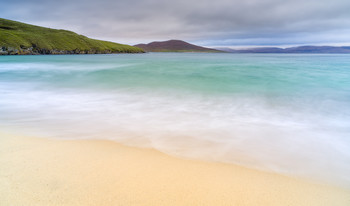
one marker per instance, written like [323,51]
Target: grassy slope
[15,34]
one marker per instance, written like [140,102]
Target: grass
[20,36]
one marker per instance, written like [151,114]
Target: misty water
[286,113]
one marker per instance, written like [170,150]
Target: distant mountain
[318,49]
[300,49]
[21,38]
[173,46]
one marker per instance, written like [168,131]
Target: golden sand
[45,172]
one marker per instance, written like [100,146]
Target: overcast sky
[204,22]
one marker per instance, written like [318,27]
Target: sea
[283,113]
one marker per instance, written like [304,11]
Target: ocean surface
[286,113]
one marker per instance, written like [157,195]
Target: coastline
[38,171]
[8,51]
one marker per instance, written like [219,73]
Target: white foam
[291,136]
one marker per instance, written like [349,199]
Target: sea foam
[288,130]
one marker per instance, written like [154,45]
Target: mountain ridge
[293,50]
[174,46]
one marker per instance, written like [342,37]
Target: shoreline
[39,171]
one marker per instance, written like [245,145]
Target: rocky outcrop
[36,51]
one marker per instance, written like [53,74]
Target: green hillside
[20,38]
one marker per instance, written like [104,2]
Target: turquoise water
[287,113]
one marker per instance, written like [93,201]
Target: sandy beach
[38,171]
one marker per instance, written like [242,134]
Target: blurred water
[283,113]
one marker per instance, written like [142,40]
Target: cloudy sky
[204,22]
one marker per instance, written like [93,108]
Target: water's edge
[283,113]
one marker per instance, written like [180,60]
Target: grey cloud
[230,21]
